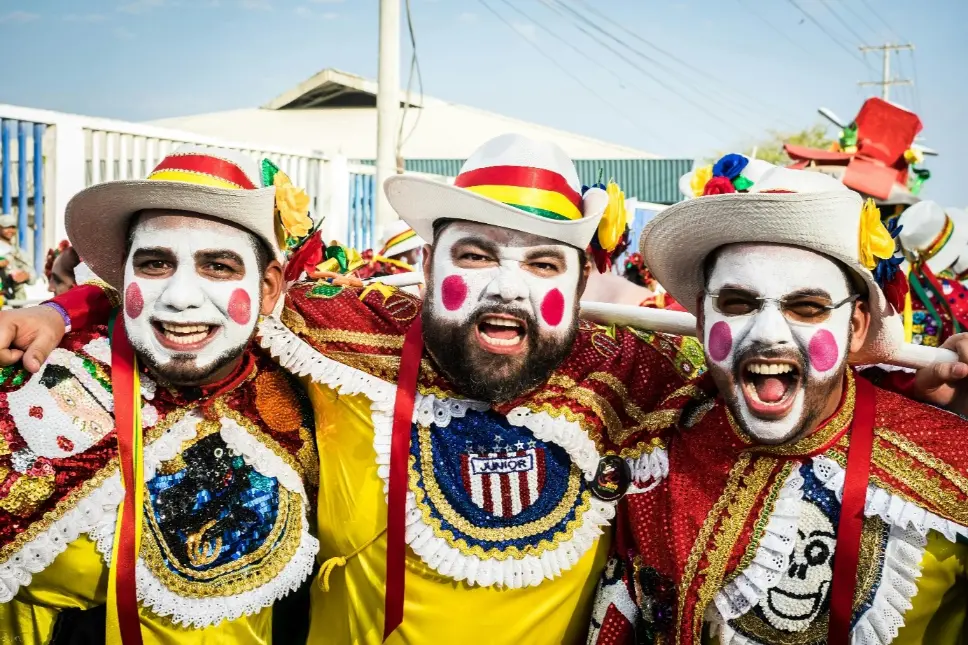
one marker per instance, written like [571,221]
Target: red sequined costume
[378,266]
[230,470]
[737,538]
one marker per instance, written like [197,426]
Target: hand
[946,384]
[30,335]
[20,276]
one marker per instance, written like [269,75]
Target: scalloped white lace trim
[894,510]
[204,612]
[300,358]
[648,469]
[94,515]
[772,557]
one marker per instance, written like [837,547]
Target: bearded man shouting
[173,385]
[802,504]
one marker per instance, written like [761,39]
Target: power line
[414,71]
[846,23]
[880,19]
[645,72]
[860,18]
[914,76]
[828,34]
[886,81]
[701,72]
[561,67]
[769,24]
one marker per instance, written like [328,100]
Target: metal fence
[22,182]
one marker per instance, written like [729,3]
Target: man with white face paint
[170,422]
[801,505]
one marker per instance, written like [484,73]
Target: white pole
[387,109]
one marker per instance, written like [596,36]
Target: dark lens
[734,302]
[803,309]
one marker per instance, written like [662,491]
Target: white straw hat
[934,234]
[794,207]
[511,181]
[399,239]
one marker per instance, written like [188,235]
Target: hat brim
[98,218]
[407,245]
[420,202]
[676,243]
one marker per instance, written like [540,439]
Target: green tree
[770,147]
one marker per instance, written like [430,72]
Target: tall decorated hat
[511,181]
[224,184]
[933,235]
[783,206]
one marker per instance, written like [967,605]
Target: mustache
[484,310]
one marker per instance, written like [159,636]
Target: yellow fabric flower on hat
[875,240]
[913,156]
[611,228]
[293,206]
[700,177]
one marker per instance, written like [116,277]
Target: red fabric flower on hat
[306,257]
[719,186]
[895,291]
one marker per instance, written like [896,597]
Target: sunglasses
[797,308]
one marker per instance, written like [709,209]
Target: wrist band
[63,314]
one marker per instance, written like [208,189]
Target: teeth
[184,329]
[769,368]
[501,322]
[503,342]
[185,339]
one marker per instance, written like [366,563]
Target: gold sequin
[274,400]
[27,494]
[297,324]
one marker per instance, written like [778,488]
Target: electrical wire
[860,18]
[880,19]
[837,16]
[414,71]
[819,26]
[564,69]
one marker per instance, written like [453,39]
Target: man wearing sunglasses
[799,504]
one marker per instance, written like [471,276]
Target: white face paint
[191,294]
[479,268]
[776,374]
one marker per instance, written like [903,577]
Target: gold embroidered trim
[759,528]
[815,440]
[724,540]
[297,324]
[699,546]
[525,531]
[922,455]
[114,298]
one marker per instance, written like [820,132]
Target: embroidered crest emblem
[504,479]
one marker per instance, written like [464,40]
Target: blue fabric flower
[886,270]
[730,166]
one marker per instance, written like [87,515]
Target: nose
[183,291]
[507,286]
[798,570]
[769,327]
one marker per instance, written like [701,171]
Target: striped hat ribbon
[204,170]
[534,190]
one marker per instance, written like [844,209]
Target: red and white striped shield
[504,482]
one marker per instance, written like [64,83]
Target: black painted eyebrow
[153,251]
[546,252]
[220,254]
[482,243]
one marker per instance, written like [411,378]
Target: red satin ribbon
[399,463]
[847,551]
[122,382]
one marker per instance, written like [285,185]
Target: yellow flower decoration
[875,240]
[611,228]
[293,206]
[913,156]
[700,178]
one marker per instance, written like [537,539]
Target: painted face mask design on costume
[774,349]
[190,320]
[501,308]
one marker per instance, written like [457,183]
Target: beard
[816,395]
[486,376]
[182,370]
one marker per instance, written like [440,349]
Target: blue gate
[362,212]
[29,137]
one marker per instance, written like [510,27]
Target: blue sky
[762,63]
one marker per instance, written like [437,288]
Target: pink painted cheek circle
[240,307]
[720,342]
[553,307]
[134,302]
[453,292]
[823,351]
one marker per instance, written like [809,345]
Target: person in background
[13,261]
[400,253]
[59,269]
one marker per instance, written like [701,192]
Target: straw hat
[784,206]
[511,181]
[399,239]
[8,221]
[934,234]
[220,183]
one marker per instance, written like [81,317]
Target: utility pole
[886,81]
[387,110]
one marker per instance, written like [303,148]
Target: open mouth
[770,386]
[795,606]
[184,337]
[501,333]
